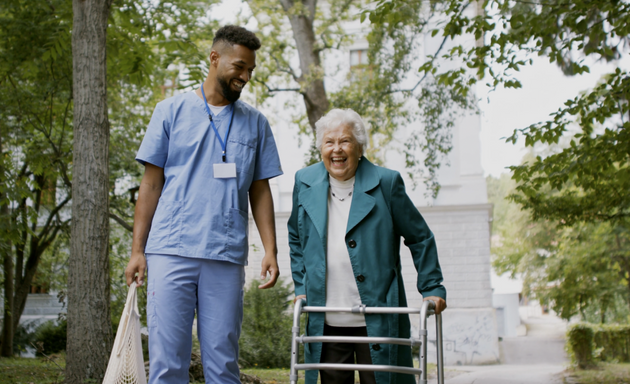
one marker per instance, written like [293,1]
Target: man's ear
[214,58]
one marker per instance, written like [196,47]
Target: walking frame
[427,309]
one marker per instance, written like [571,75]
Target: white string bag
[126,364]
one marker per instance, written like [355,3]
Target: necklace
[340,198]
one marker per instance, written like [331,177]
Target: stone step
[42,311]
[41,307]
[36,321]
[42,300]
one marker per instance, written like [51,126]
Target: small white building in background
[506,299]
[460,217]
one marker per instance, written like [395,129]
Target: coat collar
[314,199]
[366,179]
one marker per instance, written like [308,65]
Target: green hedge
[614,342]
[587,343]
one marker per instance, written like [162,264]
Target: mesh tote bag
[126,364]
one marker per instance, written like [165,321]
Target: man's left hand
[269,265]
[440,303]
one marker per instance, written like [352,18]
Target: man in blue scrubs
[205,153]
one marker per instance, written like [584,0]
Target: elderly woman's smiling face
[341,152]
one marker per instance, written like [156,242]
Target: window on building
[358,57]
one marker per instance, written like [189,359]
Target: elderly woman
[344,232]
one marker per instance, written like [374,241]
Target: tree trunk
[312,77]
[89,325]
[7,324]
[22,285]
[7,263]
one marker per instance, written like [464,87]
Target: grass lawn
[281,376]
[604,373]
[273,376]
[21,370]
[41,370]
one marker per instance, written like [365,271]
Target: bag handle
[131,307]
[132,299]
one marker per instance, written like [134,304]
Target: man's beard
[230,94]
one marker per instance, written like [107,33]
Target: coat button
[376,347]
[360,278]
[352,243]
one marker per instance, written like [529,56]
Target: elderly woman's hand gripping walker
[344,232]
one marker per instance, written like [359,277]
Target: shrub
[612,342]
[580,344]
[589,342]
[52,336]
[266,332]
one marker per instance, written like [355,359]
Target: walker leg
[425,312]
[440,348]
[295,333]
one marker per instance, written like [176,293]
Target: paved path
[538,358]
[533,350]
[506,374]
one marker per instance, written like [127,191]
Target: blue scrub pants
[177,286]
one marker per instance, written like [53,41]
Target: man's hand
[299,297]
[440,303]
[262,209]
[137,266]
[269,264]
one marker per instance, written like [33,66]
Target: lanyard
[224,141]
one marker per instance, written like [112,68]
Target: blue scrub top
[198,215]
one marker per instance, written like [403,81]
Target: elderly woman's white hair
[336,117]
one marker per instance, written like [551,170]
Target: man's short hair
[233,34]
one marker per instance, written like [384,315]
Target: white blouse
[341,287]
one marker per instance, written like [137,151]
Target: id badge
[224,170]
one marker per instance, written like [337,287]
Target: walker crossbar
[425,311]
[359,340]
[359,367]
[364,309]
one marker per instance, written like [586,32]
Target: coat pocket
[392,292]
[165,223]
[242,152]
[393,300]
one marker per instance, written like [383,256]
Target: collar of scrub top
[222,141]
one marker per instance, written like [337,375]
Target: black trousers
[345,353]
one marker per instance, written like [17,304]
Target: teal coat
[381,213]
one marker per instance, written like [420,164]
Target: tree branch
[312,6]
[64,171]
[437,52]
[336,16]
[328,46]
[44,232]
[272,90]
[283,69]
[344,7]
[122,222]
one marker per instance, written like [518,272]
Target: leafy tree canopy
[579,270]
[589,179]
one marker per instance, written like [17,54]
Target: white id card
[224,170]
